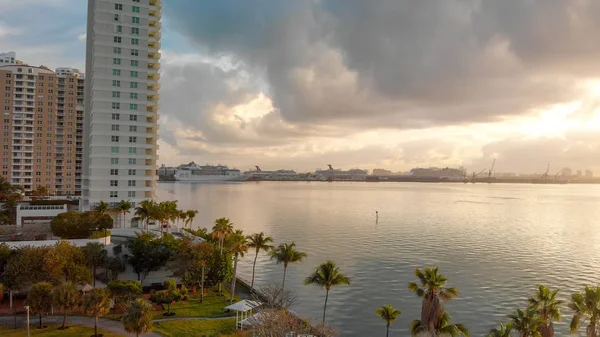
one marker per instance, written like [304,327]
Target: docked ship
[425,175]
[338,175]
[193,172]
[259,174]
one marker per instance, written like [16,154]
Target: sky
[392,84]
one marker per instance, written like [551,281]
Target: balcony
[152,99]
[153,77]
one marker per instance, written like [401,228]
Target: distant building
[566,172]
[9,58]
[382,172]
[589,174]
[579,174]
[441,173]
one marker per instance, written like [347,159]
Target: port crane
[258,169]
[491,171]
[545,175]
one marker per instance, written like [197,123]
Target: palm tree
[96,303]
[124,207]
[238,247]
[138,317]
[527,322]
[145,210]
[441,327]
[95,256]
[286,254]
[259,242]
[189,217]
[326,276]
[102,208]
[222,230]
[586,306]
[39,299]
[501,331]
[389,315]
[433,291]
[65,297]
[547,306]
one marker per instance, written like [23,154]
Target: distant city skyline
[356,84]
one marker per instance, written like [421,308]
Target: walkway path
[191,319]
[103,323]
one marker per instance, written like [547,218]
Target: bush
[99,234]
[73,225]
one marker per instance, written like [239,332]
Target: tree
[65,297]
[327,275]
[222,230]
[286,254]
[165,212]
[145,210]
[170,295]
[586,306]
[66,262]
[547,306]
[501,331]
[238,247]
[102,208]
[138,317]
[40,193]
[124,291]
[124,207]
[277,322]
[441,327]
[114,265]
[190,262]
[259,242]
[25,267]
[389,315]
[220,267]
[9,195]
[148,253]
[39,299]
[433,291]
[73,225]
[95,256]
[96,303]
[527,322]
[189,217]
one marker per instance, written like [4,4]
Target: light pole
[27,309]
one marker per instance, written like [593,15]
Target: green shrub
[73,225]
[99,234]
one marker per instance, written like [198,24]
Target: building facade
[40,125]
[121,105]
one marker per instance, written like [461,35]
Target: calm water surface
[494,242]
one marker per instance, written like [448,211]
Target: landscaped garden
[196,328]
[52,331]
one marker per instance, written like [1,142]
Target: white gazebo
[243,310]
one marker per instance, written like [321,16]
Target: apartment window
[114,194]
[134,63]
[132,150]
[114,172]
[116,83]
[132,128]
[133,85]
[116,39]
[135,9]
[119,29]
[116,72]
[114,183]
[114,149]
[133,95]
[116,17]
[116,105]
[131,183]
[135,19]
[132,106]
[117,50]
[114,161]
[132,161]
[116,94]
[133,139]
[116,61]
[114,127]
[135,42]
[115,117]
[136,0]
[134,52]
[131,172]
[114,139]
[118,7]
[135,31]
[133,74]
[131,194]
[133,118]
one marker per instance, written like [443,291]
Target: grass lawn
[195,328]
[52,331]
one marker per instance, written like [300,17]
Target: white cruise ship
[193,172]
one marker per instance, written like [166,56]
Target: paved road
[103,323]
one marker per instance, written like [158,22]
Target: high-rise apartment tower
[121,103]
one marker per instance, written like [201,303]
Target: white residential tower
[121,101]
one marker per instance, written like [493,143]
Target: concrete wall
[77,242]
